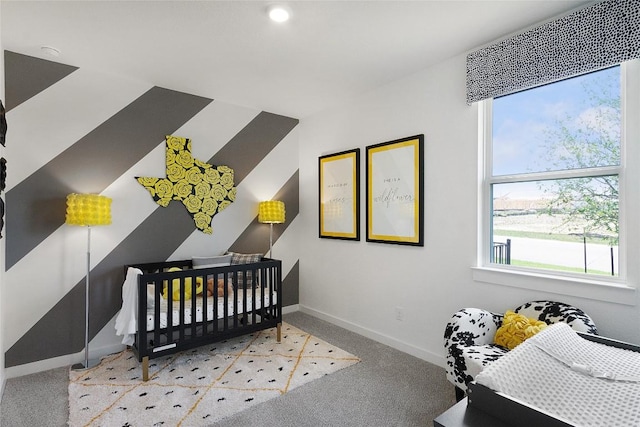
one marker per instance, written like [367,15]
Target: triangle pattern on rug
[201,386]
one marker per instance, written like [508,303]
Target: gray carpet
[387,388]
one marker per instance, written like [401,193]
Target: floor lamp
[271,212]
[87,210]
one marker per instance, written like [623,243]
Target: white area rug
[202,386]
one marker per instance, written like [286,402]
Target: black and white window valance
[593,38]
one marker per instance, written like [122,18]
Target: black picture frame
[339,195]
[395,191]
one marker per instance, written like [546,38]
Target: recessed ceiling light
[279,13]
[50,51]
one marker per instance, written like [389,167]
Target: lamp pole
[79,366]
[86,300]
[271,240]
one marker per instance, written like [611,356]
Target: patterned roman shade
[596,37]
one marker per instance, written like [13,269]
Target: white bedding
[238,296]
[578,381]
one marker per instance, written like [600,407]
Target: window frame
[620,289]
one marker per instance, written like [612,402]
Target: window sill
[599,290]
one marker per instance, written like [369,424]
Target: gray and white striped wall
[84,131]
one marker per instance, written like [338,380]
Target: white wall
[358,284]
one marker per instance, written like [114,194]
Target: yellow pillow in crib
[176,287]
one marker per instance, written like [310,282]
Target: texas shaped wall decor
[202,188]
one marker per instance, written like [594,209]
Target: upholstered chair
[469,336]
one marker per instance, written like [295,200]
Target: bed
[175,306]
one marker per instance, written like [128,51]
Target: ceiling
[326,53]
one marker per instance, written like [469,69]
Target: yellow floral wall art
[203,189]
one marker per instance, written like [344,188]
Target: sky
[523,124]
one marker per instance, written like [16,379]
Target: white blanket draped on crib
[127,320]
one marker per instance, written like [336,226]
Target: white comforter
[578,381]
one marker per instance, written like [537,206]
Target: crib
[176,313]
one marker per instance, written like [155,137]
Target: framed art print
[395,175]
[339,195]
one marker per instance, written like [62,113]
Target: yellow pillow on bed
[516,328]
[176,287]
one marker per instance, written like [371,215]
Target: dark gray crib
[167,326]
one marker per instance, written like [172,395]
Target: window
[553,194]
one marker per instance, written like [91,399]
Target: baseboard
[291,309]
[43,365]
[428,356]
[4,383]
[61,361]
[98,352]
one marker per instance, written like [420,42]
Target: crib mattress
[232,308]
[578,381]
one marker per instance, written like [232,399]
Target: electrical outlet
[399,314]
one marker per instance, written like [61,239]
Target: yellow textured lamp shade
[271,212]
[88,209]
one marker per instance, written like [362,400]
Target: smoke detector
[50,51]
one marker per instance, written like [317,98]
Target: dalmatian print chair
[468,337]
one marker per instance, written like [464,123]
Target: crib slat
[181,324]
[156,313]
[205,311]
[169,309]
[194,296]
[225,307]
[216,314]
